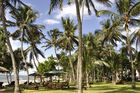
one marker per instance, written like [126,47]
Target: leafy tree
[47,65]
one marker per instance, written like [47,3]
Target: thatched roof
[2,69]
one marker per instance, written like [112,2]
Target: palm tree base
[133,86]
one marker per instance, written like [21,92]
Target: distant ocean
[22,78]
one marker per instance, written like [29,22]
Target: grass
[96,88]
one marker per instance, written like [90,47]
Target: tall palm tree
[127,10]
[55,3]
[25,18]
[88,47]
[68,40]
[3,5]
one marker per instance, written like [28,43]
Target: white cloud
[51,21]
[70,10]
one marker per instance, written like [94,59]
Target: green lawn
[97,88]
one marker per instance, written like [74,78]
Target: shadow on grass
[43,89]
[125,90]
[108,88]
[103,88]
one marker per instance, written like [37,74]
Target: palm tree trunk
[138,74]
[122,74]
[80,47]
[34,60]
[77,78]
[130,58]
[71,65]
[87,79]
[94,76]
[7,78]
[10,77]
[114,78]
[24,60]
[17,89]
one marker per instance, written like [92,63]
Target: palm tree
[68,40]
[111,31]
[137,37]
[88,47]
[127,11]
[33,49]
[53,41]
[55,3]
[24,17]
[9,4]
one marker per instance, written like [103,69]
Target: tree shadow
[124,90]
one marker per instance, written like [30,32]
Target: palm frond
[135,10]
[106,12]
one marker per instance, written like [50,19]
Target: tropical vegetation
[108,54]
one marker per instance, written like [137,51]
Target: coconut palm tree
[54,4]
[3,5]
[88,47]
[25,18]
[53,41]
[111,31]
[33,50]
[127,10]
[137,37]
[68,39]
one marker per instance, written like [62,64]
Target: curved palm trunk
[17,89]
[35,64]
[24,60]
[80,47]
[130,58]
[71,65]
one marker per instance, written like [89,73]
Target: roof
[2,69]
[55,72]
[35,74]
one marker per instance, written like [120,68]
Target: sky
[90,23]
